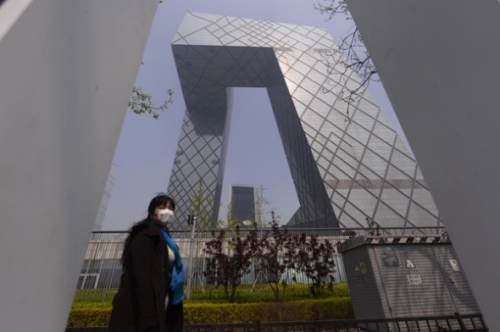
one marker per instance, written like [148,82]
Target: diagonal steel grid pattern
[346,166]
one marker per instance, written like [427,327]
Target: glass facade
[347,164]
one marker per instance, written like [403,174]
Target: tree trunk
[233,291]
[229,298]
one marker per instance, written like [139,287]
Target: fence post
[258,325]
[191,249]
[460,321]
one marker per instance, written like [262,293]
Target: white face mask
[165,216]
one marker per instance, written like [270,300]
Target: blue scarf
[177,284]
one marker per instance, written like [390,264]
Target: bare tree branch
[351,56]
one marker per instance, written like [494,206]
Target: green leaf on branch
[140,102]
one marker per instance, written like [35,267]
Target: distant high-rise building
[242,201]
[105,198]
[347,164]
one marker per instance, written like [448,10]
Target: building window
[89,274]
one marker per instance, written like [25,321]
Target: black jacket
[140,302]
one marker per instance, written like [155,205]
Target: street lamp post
[191,220]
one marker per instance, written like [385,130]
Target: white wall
[67,69]
[438,61]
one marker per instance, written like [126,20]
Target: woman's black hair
[160,199]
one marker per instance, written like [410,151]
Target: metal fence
[336,232]
[410,324]
[101,270]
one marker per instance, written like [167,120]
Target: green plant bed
[88,314]
[305,310]
[211,294]
[264,293]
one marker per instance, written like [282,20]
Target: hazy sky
[146,148]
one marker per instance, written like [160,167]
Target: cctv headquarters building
[347,164]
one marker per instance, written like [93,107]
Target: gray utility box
[400,277]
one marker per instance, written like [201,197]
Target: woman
[151,286]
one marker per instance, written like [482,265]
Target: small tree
[262,209]
[228,269]
[276,257]
[230,223]
[199,203]
[315,259]
[373,226]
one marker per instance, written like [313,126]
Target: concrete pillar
[67,69]
[438,61]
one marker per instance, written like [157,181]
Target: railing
[394,231]
[407,324]
[101,270]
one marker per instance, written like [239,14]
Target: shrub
[349,232]
[276,257]
[281,257]
[95,295]
[315,259]
[90,316]
[263,293]
[228,269]
[207,313]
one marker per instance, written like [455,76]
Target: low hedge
[305,310]
[90,316]
[248,294]
[205,313]
[212,294]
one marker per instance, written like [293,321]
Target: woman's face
[161,207]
